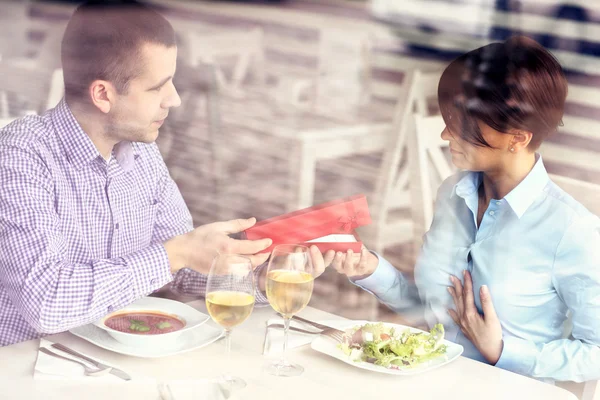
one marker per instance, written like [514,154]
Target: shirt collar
[467,185]
[520,198]
[78,146]
[126,153]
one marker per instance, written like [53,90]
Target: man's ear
[103,95]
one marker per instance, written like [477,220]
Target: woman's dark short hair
[516,84]
[103,40]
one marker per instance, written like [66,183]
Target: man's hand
[197,249]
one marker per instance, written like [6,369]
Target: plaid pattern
[80,236]
[190,283]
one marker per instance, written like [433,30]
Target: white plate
[188,341]
[189,315]
[327,346]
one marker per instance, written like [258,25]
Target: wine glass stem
[228,350]
[286,328]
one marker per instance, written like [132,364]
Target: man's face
[137,115]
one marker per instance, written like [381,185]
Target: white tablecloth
[324,377]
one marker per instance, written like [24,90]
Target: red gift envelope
[329,226]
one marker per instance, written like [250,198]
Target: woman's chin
[458,161]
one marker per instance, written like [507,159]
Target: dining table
[324,377]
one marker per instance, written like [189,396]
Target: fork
[333,333]
[87,370]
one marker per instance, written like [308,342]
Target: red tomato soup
[144,323]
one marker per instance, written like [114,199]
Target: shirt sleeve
[52,293]
[389,286]
[576,277]
[260,297]
[173,217]
[191,283]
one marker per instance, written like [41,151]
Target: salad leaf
[382,345]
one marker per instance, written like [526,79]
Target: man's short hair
[103,40]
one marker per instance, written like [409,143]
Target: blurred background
[292,103]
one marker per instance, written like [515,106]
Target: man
[90,219]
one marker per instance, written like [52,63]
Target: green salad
[385,346]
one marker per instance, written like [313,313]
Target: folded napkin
[273,345]
[193,390]
[48,367]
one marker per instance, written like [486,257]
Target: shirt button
[492,212]
[498,203]
[153,281]
[110,309]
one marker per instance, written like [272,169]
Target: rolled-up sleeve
[389,286]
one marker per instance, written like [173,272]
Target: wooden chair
[242,53]
[392,187]
[343,76]
[584,192]
[591,391]
[15,24]
[187,147]
[587,194]
[428,168]
[28,89]
[56,90]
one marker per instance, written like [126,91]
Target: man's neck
[93,123]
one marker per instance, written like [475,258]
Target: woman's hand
[320,261]
[355,266]
[484,331]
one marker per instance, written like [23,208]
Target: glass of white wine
[230,299]
[290,282]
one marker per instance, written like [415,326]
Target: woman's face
[467,156]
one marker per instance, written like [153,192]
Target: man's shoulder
[26,133]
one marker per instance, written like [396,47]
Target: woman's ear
[520,140]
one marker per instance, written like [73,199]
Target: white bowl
[190,316]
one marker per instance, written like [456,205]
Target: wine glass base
[233,383]
[283,369]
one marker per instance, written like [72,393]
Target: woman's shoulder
[576,208]
[447,187]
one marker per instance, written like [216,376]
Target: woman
[508,252]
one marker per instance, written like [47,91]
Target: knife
[316,325]
[115,371]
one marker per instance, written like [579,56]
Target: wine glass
[230,299]
[290,282]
